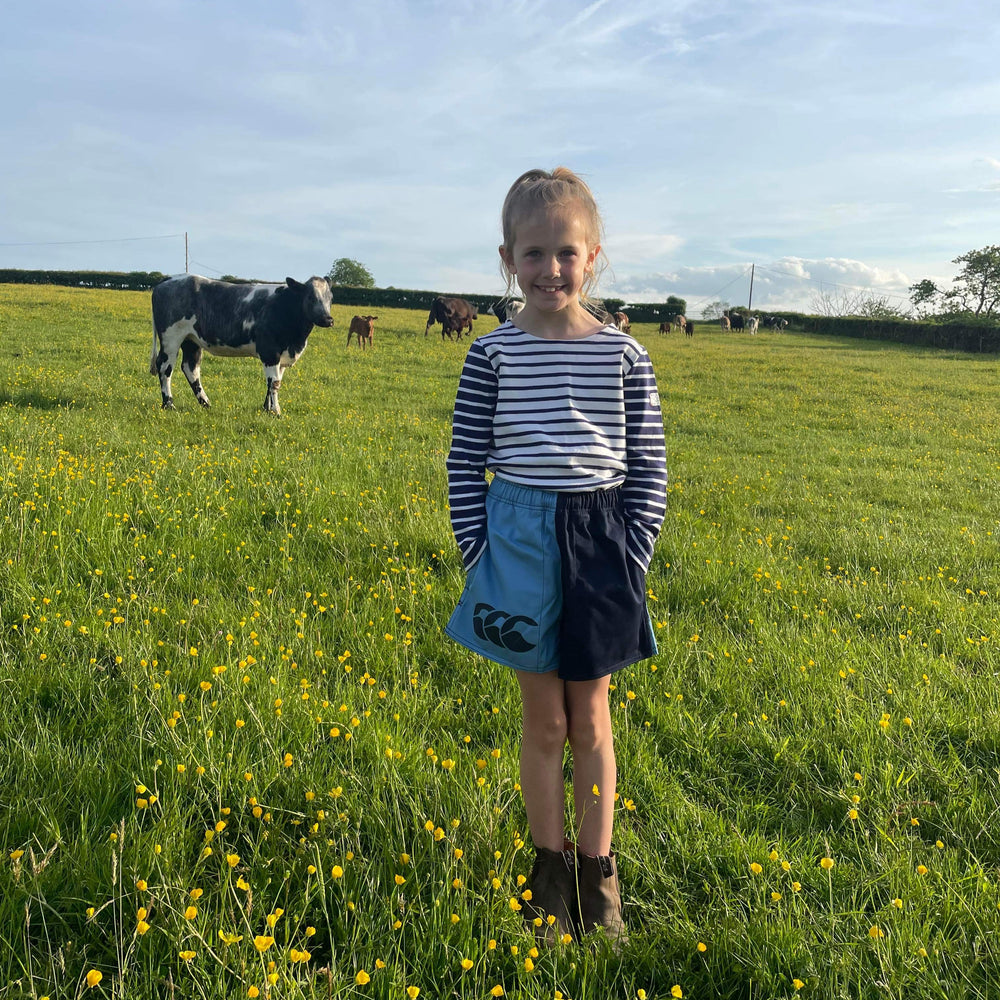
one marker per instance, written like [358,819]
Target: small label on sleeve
[654,398]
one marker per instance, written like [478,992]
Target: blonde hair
[541,190]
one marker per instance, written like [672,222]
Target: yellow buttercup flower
[362,978]
[262,942]
[94,977]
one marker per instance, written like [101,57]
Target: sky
[840,147]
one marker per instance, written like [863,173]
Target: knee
[546,733]
[588,732]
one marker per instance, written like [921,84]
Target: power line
[80,243]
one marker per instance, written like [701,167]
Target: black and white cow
[506,309]
[270,322]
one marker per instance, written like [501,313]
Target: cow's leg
[273,375]
[164,360]
[191,366]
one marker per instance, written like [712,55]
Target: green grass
[221,630]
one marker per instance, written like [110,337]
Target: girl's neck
[572,323]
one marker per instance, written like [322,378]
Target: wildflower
[362,978]
[94,977]
[827,863]
[187,955]
[253,992]
[796,887]
[755,868]
[466,964]
[141,885]
[875,932]
[702,946]
[528,965]
[413,992]
[676,991]
[898,903]
[775,897]
[399,879]
[190,913]
[497,991]
[798,984]
[299,956]
[230,937]
[337,872]
[232,860]
[242,883]
[262,942]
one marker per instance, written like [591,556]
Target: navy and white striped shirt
[564,415]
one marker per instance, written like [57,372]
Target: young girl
[564,412]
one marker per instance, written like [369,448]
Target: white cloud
[786,283]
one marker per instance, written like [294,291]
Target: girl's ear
[592,256]
[508,259]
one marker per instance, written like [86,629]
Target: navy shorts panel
[555,588]
[605,624]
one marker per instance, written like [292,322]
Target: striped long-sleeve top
[564,415]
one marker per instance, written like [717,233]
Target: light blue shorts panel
[509,610]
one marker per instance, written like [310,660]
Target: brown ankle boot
[600,899]
[553,896]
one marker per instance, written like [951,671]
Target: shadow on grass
[35,400]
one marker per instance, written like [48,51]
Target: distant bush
[132,280]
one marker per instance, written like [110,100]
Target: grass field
[239,758]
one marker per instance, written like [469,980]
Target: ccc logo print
[501,628]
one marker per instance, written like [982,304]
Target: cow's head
[315,297]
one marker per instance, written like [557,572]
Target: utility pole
[750,300]
[185,252]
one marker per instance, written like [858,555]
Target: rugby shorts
[555,588]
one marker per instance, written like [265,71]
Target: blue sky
[836,145]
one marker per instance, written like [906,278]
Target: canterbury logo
[501,628]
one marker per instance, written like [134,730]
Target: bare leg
[543,739]
[592,742]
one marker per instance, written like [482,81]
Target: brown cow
[621,321]
[364,328]
[680,322]
[453,314]
[665,326]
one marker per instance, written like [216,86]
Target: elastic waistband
[528,496]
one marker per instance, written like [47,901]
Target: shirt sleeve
[645,489]
[471,434]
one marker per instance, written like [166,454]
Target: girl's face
[551,257]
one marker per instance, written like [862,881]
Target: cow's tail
[431,318]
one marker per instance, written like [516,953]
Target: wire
[207,267]
[80,243]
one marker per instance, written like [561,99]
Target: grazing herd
[272,322]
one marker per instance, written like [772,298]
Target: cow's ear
[291,282]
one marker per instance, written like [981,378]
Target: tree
[675,306]
[714,310]
[350,272]
[978,283]
[923,295]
